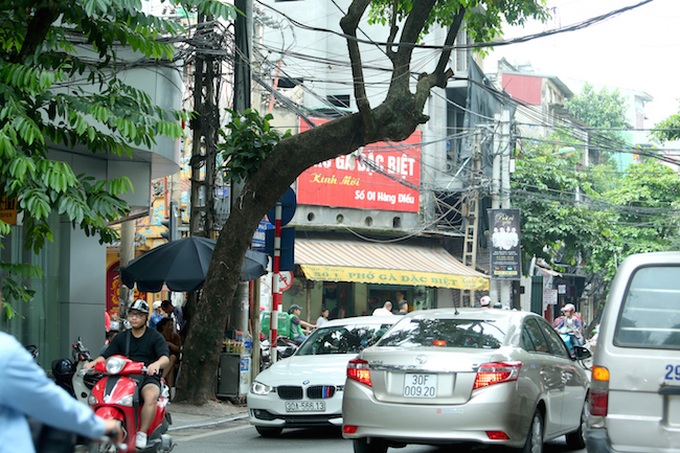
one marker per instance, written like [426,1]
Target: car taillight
[349,429]
[358,370]
[599,392]
[495,373]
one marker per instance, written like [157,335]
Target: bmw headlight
[114,365]
[259,388]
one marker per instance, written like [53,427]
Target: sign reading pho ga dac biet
[384,176]
[505,244]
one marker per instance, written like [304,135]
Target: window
[339,100]
[451,333]
[557,346]
[650,313]
[349,339]
[533,338]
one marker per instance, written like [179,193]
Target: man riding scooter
[570,325]
[141,344]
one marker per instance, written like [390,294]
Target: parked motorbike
[285,347]
[71,376]
[117,396]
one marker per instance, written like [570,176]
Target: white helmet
[569,307]
[485,301]
[140,305]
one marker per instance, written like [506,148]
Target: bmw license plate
[420,385]
[305,406]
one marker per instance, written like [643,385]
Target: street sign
[287,247]
[259,241]
[8,210]
[285,280]
[288,206]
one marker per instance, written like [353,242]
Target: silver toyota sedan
[466,376]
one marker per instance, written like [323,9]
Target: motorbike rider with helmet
[571,323]
[141,344]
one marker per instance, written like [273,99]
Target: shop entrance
[379,294]
[337,297]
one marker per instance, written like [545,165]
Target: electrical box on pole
[171,223]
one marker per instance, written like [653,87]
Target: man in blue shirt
[156,316]
[25,390]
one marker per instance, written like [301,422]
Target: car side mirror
[582,353]
[287,352]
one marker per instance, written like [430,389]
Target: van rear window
[650,313]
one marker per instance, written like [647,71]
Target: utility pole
[127,254]
[505,189]
[471,217]
[243,32]
[204,127]
[500,195]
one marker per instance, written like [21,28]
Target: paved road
[240,436]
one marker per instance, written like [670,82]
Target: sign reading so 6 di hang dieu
[385,177]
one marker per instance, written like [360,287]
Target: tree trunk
[391,121]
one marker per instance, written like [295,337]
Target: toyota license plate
[420,385]
[305,406]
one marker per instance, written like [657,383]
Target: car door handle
[669,390]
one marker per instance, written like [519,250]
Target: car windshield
[451,333]
[347,339]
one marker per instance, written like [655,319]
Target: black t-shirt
[148,348]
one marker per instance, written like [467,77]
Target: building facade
[387,218]
[71,298]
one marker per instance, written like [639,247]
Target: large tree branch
[349,24]
[37,29]
[393,30]
[401,62]
[441,71]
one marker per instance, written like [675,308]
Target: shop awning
[391,264]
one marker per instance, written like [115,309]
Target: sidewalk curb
[212,422]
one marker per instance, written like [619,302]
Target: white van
[635,389]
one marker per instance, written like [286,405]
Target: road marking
[211,433]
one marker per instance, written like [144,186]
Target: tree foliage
[248,143]
[60,88]
[615,213]
[668,129]
[604,110]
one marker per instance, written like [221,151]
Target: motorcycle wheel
[107,447]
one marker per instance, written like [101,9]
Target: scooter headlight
[114,365]
[125,401]
[92,400]
[259,388]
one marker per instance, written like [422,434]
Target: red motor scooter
[117,396]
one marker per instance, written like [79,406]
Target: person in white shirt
[385,310]
[323,319]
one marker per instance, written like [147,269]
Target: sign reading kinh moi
[505,244]
[384,176]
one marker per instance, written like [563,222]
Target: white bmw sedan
[305,390]
[466,376]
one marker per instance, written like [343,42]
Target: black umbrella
[182,265]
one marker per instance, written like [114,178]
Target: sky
[638,50]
